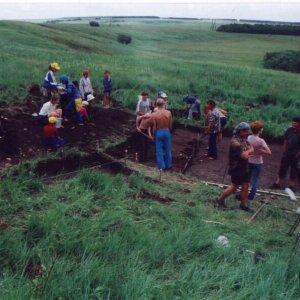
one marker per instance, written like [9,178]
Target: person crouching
[51,137]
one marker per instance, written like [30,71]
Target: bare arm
[245,154]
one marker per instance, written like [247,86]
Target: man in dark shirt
[238,166]
[291,154]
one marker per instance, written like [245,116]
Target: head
[106,73]
[85,103]
[145,95]
[257,127]
[85,73]
[211,104]
[55,99]
[163,95]
[242,130]
[296,122]
[90,97]
[160,102]
[54,67]
[52,120]
[64,79]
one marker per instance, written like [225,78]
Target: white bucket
[58,122]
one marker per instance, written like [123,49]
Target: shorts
[239,179]
[107,94]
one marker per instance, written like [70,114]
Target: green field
[180,57]
[95,236]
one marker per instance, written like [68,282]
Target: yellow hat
[52,120]
[55,66]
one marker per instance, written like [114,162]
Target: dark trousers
[212,145]
[286,163]
[144,145]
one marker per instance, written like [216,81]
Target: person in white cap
[239,152]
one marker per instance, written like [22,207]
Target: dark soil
[21,139]
[144,194]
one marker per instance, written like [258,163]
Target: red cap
[85,72]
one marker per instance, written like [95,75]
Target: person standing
[144,125]
[162,126]
[256,158]
[107,88]
[193,104]
[85,86]
[291,155]
[50,85]
[213,129]
[144,104]
[239,153]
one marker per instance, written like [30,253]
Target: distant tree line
[261,29]
[286,60]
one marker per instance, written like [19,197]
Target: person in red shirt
[51,137]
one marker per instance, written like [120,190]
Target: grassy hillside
[96,237]
[180,57]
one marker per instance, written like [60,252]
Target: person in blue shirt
[192,103]
[107,88]
[71,98]
[50,84]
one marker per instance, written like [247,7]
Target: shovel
[264,203]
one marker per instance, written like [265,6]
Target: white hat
[85,103]
[162,94]
[90,97]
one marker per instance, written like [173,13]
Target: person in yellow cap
[51,137]
[50,84]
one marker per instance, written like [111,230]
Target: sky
[213,9]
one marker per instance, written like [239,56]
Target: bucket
[58,122]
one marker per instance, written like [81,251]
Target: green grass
[136,248]
[180,57]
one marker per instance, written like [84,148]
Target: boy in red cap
[85,85]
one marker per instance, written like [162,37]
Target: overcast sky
[242,9]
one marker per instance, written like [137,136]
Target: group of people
[154,122]
[68,100]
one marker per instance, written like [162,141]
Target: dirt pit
[21,140]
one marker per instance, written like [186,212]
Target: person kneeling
[51,137]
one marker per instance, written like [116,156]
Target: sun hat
[162,94]
[85,72]
[85,103]
[90,97]
[52,120]
[240,127]
[55,66]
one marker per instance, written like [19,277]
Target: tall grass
[135,248]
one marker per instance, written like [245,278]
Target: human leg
[255,170]
[159,149]
[168,149]
[212,146]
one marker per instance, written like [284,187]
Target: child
[83,111]
[85,86]
[107,88]
[51,137]
[50,84]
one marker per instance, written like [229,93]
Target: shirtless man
[162,125]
